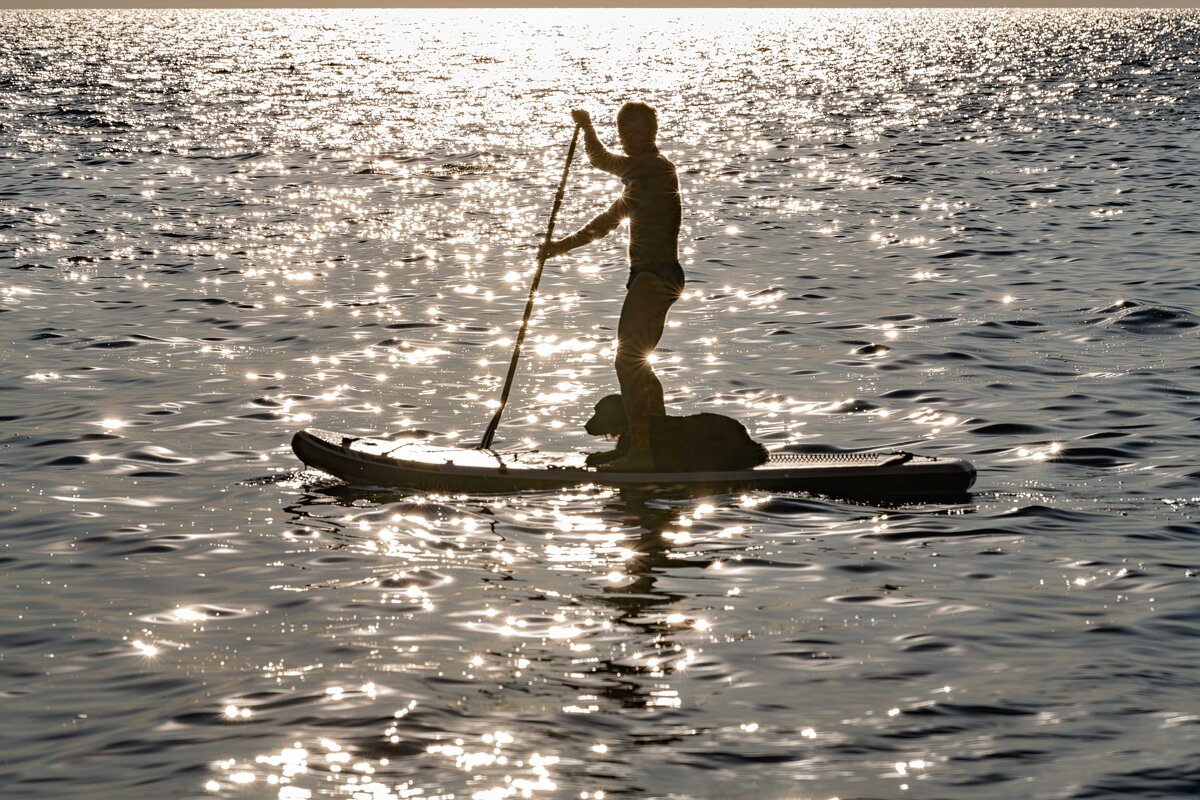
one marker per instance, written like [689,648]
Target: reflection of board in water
[419,465]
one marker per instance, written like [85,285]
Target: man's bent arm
[598,228]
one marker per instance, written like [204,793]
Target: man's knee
[629,362]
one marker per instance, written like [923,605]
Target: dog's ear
[613,408]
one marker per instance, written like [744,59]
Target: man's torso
[652,199]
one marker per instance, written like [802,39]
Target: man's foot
[633,462]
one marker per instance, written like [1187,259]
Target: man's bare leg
[643,317]
[640,457]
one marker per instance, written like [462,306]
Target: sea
[961,233]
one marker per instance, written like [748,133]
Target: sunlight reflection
[147,650]
[233,712]
[189,615]
[1045,452]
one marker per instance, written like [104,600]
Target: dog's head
[609,418]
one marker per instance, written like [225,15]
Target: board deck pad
[422,465]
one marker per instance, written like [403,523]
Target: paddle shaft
[490,434]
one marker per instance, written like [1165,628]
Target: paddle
[490,434]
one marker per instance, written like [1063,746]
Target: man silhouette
[650,201]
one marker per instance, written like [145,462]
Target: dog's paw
[596,459]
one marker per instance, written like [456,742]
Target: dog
[695,443]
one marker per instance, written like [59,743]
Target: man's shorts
[671,274]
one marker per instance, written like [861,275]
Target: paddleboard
[420,465]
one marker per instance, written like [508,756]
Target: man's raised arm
[597,153]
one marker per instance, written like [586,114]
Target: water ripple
[960,232]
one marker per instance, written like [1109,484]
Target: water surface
[961,233]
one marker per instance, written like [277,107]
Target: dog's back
[703,443]
[695,443]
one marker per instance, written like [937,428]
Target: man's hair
[639,117]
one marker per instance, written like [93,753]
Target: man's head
[637,127]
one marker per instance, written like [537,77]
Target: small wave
[853,406]
[1133,317]
[1046,513]
[1095,456]
[1153,319]
[1009,429]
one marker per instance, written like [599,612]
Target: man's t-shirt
[650,201]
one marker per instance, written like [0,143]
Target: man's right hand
[582,117]
[547,251]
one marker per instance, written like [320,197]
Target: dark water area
[971,234]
